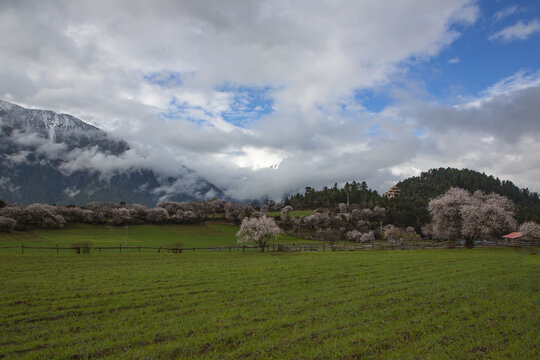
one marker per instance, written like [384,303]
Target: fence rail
[272,248]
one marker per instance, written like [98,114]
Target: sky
[264,98]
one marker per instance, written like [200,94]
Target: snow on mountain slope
[57,158]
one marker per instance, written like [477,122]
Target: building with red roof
[513,236]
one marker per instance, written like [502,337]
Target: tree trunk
[469,243]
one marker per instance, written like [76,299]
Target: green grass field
[431,304]
[210,234]
[293,213]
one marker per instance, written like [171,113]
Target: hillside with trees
[409,208]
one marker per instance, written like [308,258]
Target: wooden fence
[271,248]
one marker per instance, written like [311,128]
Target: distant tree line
[50,216]
[356,193]
[351,213]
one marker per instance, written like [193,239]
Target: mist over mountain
[47,157]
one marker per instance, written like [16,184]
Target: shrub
[176,248]
[82,247]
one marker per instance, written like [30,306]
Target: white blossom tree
[258,230]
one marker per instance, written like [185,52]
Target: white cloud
[519,81]
[454,60]
[90,59]
[495,133]
[519,31]
[506,12]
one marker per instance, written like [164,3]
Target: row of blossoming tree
[49,216]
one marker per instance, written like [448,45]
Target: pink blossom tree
[530,230]
[13,212]
[120,216]
[232,211]
[137,211]
[157,215]
[458,214]
[185,217]
[392,232]
[410,233]
[354,235]
[41,215]
[258,230]
[367,237]
[286,210]
[70,214]
[88,216]
[7,224]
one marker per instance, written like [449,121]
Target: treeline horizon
[409,208]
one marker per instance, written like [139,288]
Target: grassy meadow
[151,235]
[431,304]
[293,213]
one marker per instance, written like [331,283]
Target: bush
[176,248]
[82,247]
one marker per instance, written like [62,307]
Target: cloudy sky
[267,97]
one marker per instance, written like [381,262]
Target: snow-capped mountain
[56,158]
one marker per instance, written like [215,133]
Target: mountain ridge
[39,150]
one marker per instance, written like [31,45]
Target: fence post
[56,249]
[229,249]
[193,249]
[22,248]
[120,248]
